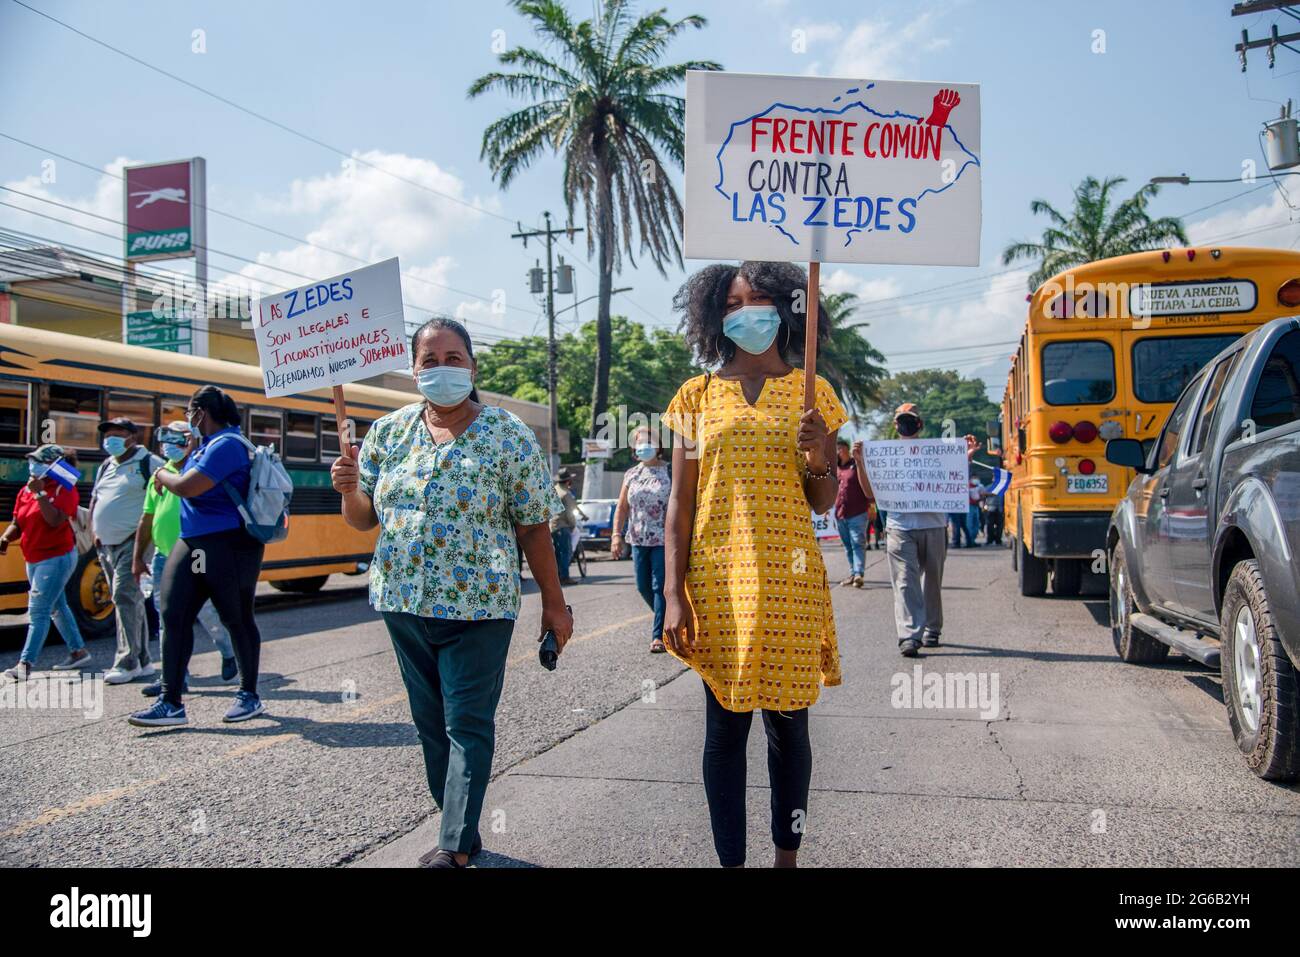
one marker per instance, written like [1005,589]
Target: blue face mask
[36,469]
[644,452]
[115,445]
[753,328]
[173,451]
[445,386]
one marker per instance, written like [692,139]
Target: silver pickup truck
[1202,549]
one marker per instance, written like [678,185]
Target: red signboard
[159,203]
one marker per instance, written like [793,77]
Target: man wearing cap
[563,524]
[916,543]
[116,504]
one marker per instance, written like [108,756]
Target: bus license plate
[1087,484]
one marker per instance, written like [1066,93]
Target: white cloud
[33,217]
[1226,227]
[874,48]
[867,290]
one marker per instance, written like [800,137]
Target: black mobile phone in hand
[549,652]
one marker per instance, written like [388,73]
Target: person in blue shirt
[215,559]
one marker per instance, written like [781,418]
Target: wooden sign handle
[810,338]
[341,420]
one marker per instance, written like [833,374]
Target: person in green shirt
[160,526]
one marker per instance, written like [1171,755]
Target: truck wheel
[1067,575]
[1130,644]
[305,585]
[90,598]
[1259,681]
[1031,572]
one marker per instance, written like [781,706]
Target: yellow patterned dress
[764,630]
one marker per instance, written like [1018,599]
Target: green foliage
[1095,229]
[648,368]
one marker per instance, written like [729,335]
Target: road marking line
[95,801]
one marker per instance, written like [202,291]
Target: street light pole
[549,235]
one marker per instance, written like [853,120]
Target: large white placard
[804,169]
[332,332]
[918,475]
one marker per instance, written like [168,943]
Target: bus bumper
[1069,535]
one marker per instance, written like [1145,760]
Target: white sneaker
[149,670]
[75,661]
[121,676]
[19,672]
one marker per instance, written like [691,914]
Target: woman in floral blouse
[452,485]
[643,504]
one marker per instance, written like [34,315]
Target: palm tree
[600,103]
[847,360]
[1094,230]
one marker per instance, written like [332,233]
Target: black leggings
[228,564]
[789,769]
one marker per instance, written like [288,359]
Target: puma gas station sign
[164,209]
[806,169]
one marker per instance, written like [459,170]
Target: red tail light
[1084,431]
[1289,294]
[1087,466]
[1060,432]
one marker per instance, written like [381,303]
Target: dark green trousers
[454,672]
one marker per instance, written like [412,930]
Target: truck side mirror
[1127,452]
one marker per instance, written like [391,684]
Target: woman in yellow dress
[746,599]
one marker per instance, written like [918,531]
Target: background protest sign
[918,475]
[328,333]
[811,169]
[824,525]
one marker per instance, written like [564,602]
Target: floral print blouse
[447,512]
[647,504]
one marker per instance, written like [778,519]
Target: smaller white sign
[1087,484]
[1192,298]
[918,475]
[332,332]
[824,526]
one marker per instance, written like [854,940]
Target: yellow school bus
[1107,348]
[57,388]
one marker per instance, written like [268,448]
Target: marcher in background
[851,510]
[160,527]
[215,558]
[747,602]
[915,544]
[993,517]
[42,524]
[116,504]
[973,513]
[563,524]
[452,485]
[877,521]
[960,529]
[642,509]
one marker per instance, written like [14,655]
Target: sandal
[657,647]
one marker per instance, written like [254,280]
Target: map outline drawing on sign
[944,103]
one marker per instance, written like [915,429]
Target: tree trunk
[593,477]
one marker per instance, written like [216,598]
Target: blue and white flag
[63,473]
[1001,482]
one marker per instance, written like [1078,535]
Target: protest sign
[918,475]
[812,169]
[824,526]
[332,332]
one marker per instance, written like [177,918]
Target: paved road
[1088,761]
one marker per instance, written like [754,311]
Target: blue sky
[386,81]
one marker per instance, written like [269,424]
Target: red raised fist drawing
[944,101]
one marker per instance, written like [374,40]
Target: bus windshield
[1163,365]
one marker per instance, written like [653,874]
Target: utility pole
[549,235]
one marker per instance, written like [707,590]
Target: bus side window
[136,407]
[74,415]
[300,441]
[15,413]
